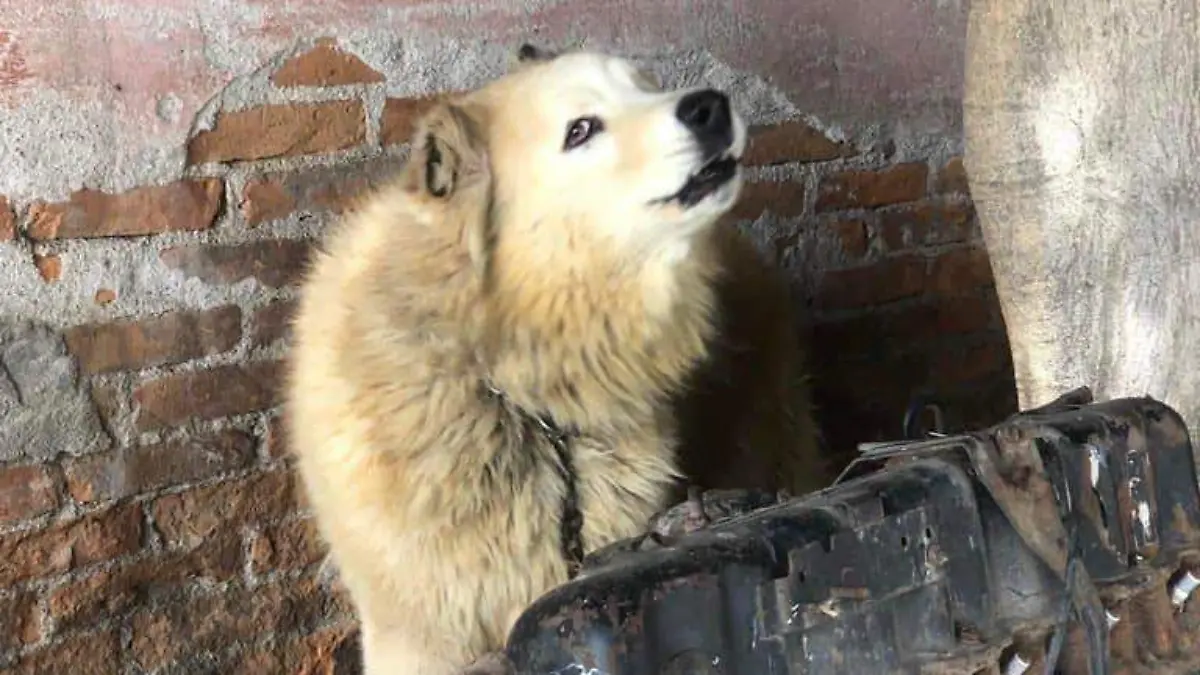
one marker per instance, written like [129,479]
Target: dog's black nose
[706,114]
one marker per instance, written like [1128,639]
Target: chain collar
[571,516]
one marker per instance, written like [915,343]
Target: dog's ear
[448,150]
[528,54]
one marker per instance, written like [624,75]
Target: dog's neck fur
[587,353]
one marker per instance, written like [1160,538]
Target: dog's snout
[706,114]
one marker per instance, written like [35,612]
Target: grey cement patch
[43,410]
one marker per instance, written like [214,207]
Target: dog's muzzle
[706,114]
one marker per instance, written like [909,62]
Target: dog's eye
[580,130]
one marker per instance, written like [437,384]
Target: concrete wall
[166,164]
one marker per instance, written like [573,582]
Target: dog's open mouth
[707,180]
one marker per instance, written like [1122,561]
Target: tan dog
[547,265]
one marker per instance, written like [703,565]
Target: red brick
[105,297]
[8,221]
[265,200]
[952,178]
[889,376]
[325,652]
[272,322]
[973,364]
[792,141]
[966,314]
[207,394]
[85,654]
[854,236]
[277,437]
[210,621]
[890,329]
[279,131]
[169,338]
[26,492]
[136,470]
[108,592]
[272,262]
[60,548]
[961,269]
[325,65]
[287,546]
[190,517]
[48,266]
[886,281]
[927,223]
[175,207]
[331,190]
[400,117]
[19,621]
[870,189]
[784,199]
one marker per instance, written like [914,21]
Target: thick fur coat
[553,237]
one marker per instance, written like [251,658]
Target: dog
[495,354]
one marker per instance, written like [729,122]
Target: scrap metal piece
[929,556]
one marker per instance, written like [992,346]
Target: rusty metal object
[1069,534]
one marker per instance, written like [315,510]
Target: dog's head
[585,146]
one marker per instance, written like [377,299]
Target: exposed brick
[8,221]
[95,653]
[48,266]
[927,223]
[105,297]
[967,314]
[272,262]
[277,437]
[189,518]
[783,198]
[961,270]
[110,591]
[136,470]
[209,621]
[853,234]
[318,190]
[19,621]
[207,394]
[26,492]
[952,178]
[170,338]
[880,331]
[280,130]
[325,65]
[886,281]
[792,141]
[329,651]
[286,546]
[266,200]
[972,364]
[273,322]
[400,117]
[869,189]
[181,206]
[100,536]
[891,378]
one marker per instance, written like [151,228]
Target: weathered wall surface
[164,168]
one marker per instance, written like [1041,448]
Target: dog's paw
[494,663]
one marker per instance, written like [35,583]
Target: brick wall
[149,521]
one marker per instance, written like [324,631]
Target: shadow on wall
[910,308]
[169,513]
